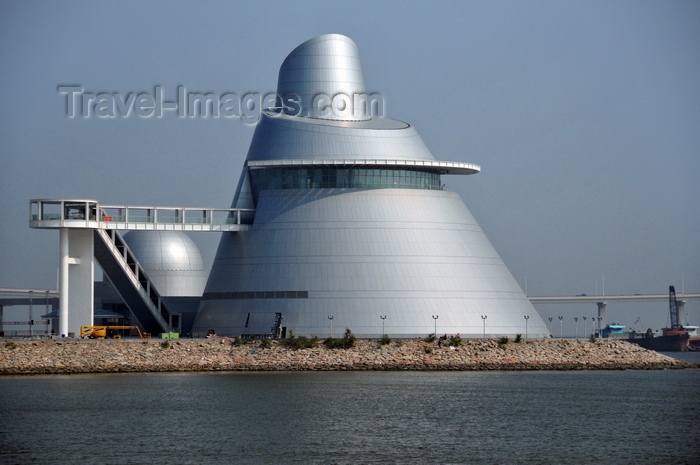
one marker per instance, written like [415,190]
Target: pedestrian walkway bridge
[89,214]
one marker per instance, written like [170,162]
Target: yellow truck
[112,332]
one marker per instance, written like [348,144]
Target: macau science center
[349,225]
[353,228]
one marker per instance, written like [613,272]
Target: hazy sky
[584,116]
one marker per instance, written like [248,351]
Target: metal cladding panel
[358,254]
[285,137]
[329,65]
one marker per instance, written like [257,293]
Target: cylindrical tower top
[326,76]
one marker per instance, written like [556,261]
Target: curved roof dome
[326,65]
[164,250]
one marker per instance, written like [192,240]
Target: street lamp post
[593,322]
[383,317]
[31,315]
[550,326]
[330,317]
[435,317]
[47,311]
[584,327]
[483,318]
[561,327]
[527,317]
[576,327]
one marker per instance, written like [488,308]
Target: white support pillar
[601,316]
[682,317]
[75,281]
[63,293]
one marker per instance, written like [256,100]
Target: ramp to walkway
[131,282]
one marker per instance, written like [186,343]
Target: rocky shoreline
[185,355]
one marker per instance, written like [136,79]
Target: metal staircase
[122,268]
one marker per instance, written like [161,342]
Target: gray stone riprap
[121,356]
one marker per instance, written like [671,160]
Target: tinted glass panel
[342,177]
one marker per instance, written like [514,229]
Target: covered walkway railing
[70,213]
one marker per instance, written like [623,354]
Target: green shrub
[265,343]
[518,338]
[431,338]
[165,344]
[503,341]
[346,342]
[237,341]
[384,340]
[10,345]
[455,341]
[301,342]
[349,338]
[592,339]
[428,349]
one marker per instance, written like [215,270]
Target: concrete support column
[63,268]
[82,273]
[682,317]
[75,281]
[601,315]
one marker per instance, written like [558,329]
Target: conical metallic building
[352,226]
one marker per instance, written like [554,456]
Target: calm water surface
[352,418]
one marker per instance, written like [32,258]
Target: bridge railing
[52,213]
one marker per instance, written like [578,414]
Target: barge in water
[673,339]
[669,341]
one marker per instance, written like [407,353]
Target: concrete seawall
[129,356]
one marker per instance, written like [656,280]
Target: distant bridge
[602,300]
[609,298]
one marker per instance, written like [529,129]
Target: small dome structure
[171,260]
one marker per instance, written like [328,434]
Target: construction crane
[673,309]
[676,328]
[672,339]
[101,332]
